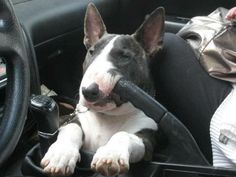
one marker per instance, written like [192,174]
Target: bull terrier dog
[116,131]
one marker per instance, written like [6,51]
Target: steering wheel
[13,50]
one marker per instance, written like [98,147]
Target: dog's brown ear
[94,27]
[150,33]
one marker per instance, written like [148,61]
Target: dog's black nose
[91,93]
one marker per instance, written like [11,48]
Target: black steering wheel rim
[13,50]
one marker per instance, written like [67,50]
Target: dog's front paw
[110,161]
[60,160]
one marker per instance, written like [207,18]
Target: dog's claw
[109,161]
[52,170]
[121,162]
[67,170]
[123,167]
[57,170]
[44,163]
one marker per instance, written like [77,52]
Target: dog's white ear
[150,33]
[94,27]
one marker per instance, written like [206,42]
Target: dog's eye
[91,51]
[124,54]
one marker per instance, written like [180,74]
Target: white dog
[116,131]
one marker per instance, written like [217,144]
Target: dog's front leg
[61,157]
[114,157]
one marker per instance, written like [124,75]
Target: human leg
[187,90]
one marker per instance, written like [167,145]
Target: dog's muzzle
[94,95]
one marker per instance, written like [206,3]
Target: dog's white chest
[98,129]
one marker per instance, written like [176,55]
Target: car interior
[42,51]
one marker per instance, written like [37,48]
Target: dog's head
[110,57]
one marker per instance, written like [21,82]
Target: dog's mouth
[103,101]
[95,99]
[111,98]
